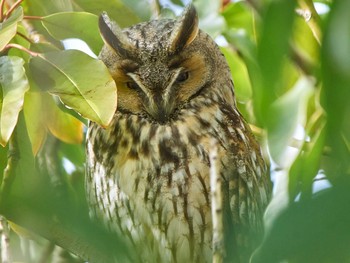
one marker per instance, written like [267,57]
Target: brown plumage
[148,173]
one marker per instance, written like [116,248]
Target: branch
[2,3]
[216,207]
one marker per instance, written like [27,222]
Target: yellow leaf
[61,124]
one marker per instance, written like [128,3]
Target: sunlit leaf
[286,113]
[8,28]
[80,25]
[13,85]
[61,124]
[80,81]
[35,119]
[306,166]
[20,40]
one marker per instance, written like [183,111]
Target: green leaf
[311,231]
[74,153]
[81,82]
[238,16]
[35,120]
[80,25]
[273,46]
[13,86]
[141,8]
[27,179]
[38,8]
[285,114]
[240,76]
[336,89]
[8,28]
[20,40]
[209,18]
[247,51]
[116,10]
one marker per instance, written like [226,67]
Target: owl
[148,173]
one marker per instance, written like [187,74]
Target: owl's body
[148,173]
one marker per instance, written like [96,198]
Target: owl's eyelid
[181,74]
[135,79]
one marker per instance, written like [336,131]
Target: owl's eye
[182,77]
[132,85]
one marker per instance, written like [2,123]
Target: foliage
[291,68]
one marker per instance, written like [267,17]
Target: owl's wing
[246,189]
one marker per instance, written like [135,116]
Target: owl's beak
[162,110]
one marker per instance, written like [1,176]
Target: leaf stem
[30,52]
[25,37]
[13,7]
[311,17]
[33,17]
[2,3]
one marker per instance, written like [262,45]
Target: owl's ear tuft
[185,31]
[113,36]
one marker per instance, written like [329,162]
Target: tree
[291,68]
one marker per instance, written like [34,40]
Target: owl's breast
[152,181]
[156,177]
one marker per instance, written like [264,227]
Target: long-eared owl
[148,172]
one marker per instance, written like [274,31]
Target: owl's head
[158,66]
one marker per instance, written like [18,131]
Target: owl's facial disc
[158,66]
[159,99]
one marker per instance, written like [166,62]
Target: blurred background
[290,62]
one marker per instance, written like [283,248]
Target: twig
[216,206]
[5,255]
[302,62]
[13,45]
[25,37]
[13,7]
[33,17]
[2,3]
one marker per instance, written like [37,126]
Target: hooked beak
[162,109]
